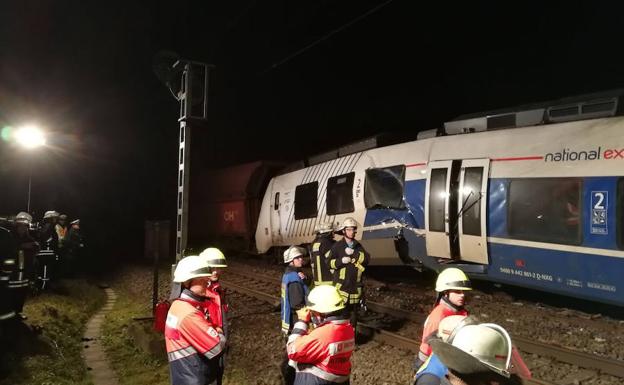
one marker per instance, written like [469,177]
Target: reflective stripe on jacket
[348,277]
[320,264]
[290,277]
[193,345]
[325,352]
[217,306]
[441,311]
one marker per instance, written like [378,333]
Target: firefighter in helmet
[349,259]
[321,245]
[27,249]
[451,287]
[194,344]
[293,295]
[216,304]
[477,355]
[323,355]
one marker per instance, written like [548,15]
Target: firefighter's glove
[304,314]
[346,260]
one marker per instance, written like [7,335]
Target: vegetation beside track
[46,348]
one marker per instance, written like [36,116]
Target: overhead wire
[327,36]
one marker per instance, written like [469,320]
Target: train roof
[587,106]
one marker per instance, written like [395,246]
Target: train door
[437,209]
[455,220]
[276,228]
[472,200]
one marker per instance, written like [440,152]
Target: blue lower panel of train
[594,277]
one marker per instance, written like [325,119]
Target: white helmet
[293,252]
[191,267]
[23,217]
[323,228]
[50,214]
[348,222]
[213,257]
[476,349]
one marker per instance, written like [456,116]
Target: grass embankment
[133,365]
[47,349]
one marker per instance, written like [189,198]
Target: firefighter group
[32,253]
[319,317]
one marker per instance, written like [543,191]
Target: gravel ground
[256,345]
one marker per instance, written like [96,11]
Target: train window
[383,188]
[276,204]
[620,214]
[471,205]
[340,194]
[306,200]
[545,210]
[437,199]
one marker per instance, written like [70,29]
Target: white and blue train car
[538,206]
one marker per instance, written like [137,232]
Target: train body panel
[537,206]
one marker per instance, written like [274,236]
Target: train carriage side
[552,197]
[537,206]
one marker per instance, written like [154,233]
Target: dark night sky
[84,71]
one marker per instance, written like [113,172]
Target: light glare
[30,137]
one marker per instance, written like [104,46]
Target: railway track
[263,286]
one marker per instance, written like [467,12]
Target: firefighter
[477,355]
[294,291]
[451,287]
[322,356]
[433,370]
[48,237]
[74,243]
[193,343]
[320,246]
[348,259]
[27,248]
[216,305]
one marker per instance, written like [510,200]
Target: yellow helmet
[325,299]
[452,279]
[191,267]
[213,257]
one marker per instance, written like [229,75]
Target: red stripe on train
[518,158]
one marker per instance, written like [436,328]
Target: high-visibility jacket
[217,306]
[291,277]
[193,344]
[320,266]
[442,310]
[348,276]
[323,356]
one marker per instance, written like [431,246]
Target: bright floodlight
[29,137]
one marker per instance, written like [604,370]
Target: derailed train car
[530,197]
[225,204]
